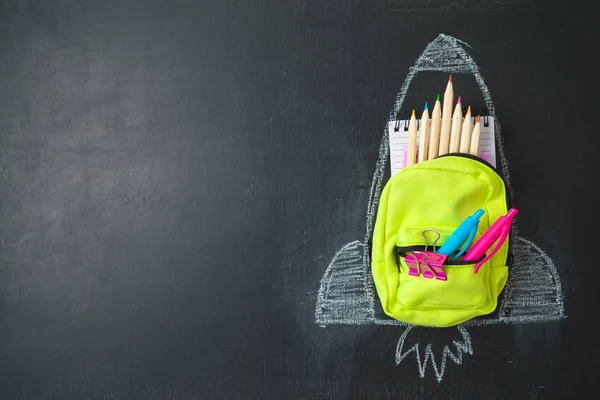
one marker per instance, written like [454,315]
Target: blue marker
[466,231]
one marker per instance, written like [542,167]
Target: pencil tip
[413,114]
[458,102]
[469,109]
[450,79]
[478,118]
[438,97]
[426,107]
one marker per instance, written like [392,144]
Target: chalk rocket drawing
[347,294]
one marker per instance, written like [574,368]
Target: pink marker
[497,232]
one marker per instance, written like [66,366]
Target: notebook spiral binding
[405,116]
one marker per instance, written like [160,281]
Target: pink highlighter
[497,232]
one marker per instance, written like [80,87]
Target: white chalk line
[454,59]
[344,310]
[353,300]
[463,347]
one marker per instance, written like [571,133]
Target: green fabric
[437,194]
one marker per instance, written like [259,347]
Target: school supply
[446,118]
[413,285]
[424,135]
[465,132]
[436,126]
[398,141]
[463,234]
[498,232]
[475,148]
[426,264]
[457,122]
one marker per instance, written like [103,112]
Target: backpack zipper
[404,250]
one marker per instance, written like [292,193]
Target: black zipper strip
[404,250]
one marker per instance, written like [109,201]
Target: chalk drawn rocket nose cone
[347,295]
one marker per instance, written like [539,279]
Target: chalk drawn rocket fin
[533,292]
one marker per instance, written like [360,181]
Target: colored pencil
[436,125]
[465,132]
[474,149]
[457,122]
[446,118]
[424,135]
[411,155]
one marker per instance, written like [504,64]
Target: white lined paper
[398,142]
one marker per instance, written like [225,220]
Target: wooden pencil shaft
[474,148]
[446,120]
[424,137]
[457,123]
[411,154]
[434,136]
[465,133]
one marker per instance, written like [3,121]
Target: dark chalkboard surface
[187,190]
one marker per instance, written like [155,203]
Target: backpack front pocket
[463,288]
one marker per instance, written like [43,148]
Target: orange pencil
[465,132]
[474,149]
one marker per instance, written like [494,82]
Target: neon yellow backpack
[437,194]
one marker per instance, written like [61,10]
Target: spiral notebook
[398,140]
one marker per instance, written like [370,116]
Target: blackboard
[178,180]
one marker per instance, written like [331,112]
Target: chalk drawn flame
[461,348]
[533,291]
